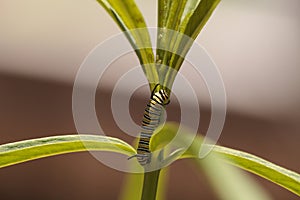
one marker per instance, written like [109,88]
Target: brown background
[35,108]
[255,44]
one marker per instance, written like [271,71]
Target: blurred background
[255,44]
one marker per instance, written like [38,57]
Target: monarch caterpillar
[150,122]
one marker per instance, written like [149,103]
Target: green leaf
[133,186]
[272,172]
[129,18]
[186,18]
[22,151]
[229,182]
[195,15]
[279,175]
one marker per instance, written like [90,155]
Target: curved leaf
[187,18]
[22,151]
[229,182]
[129,18]
[132,187]
[279,175]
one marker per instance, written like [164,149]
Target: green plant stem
[150,185]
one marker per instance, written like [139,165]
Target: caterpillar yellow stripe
[151,120]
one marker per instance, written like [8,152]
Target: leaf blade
[270,171]
[132,187]
[285,178]
[18,152]
[229,182]
[187,19]
[129,18]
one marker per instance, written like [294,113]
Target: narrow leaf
[129,18]
[132,187]
[186,18]
[22,151]
[229,182]
[279,175]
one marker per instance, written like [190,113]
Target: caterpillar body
[151,120]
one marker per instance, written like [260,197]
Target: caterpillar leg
[151,120]
[143,159]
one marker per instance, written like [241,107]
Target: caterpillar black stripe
[150,122]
